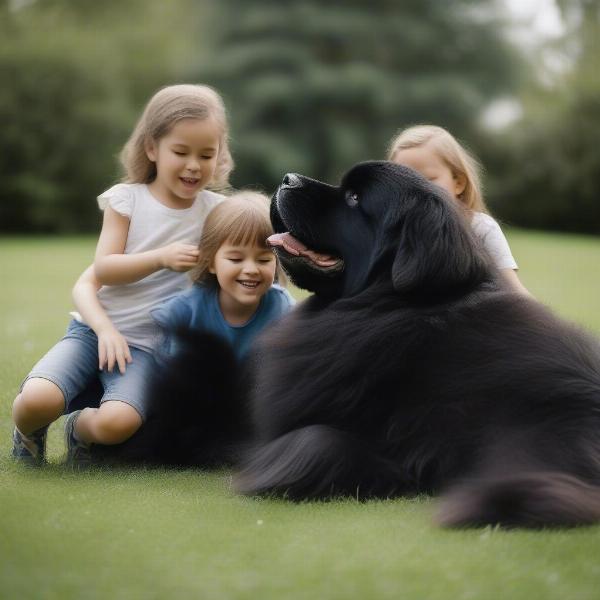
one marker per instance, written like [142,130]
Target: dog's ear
[437,252]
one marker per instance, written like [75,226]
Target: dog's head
[383,220]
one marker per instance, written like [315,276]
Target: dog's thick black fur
[197,409]
[413,370]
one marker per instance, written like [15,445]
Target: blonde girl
[438,156]
[233,294]
[151,228]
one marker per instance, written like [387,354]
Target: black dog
[197,409]
[412,370]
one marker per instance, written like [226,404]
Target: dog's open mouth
[296,248]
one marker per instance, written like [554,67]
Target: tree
[69,100]
[314,87]
[547,166]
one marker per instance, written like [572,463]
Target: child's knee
[116,422]
[39,397]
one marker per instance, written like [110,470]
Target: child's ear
[211,268]
[460,183]
[150,148]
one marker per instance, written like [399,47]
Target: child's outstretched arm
[112,267]
[112,346]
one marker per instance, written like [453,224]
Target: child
[437,155]
[233,294]
[152,225]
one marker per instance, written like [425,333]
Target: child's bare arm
[511,277]
[112,346]
[112,267]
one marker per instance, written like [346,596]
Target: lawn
[164,534]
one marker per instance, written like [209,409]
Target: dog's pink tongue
[290,244]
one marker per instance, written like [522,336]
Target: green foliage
[61,142]
[315,87]
[310,86]
[548,172]
[547,166]
[69,100]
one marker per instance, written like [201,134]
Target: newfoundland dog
[412,369]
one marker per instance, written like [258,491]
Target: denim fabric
[72,365]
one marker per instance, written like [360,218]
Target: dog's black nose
[291,180]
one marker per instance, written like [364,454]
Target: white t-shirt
[151,225]
[489,232]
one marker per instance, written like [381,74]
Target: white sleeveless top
[494,241]
[151,225]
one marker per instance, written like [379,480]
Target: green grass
[562,271]
[164,534]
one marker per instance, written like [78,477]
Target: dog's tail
[529,499]
[316,462]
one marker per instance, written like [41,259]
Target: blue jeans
[72,365]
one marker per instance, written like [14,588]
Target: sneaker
[78,452]
[30,449]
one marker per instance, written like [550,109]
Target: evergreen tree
[314,87]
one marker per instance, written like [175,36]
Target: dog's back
[491,398]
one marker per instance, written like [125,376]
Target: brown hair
[241,219]
[168,106]
[447,147]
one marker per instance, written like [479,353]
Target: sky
[540,17]
[537,22]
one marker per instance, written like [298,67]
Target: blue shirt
[198,308]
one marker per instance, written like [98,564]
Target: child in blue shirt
[233,294]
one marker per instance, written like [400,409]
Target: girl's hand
[179,256]
[113,348]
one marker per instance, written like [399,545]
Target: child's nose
[250,266]
[193,164]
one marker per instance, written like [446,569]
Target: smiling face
[185,159]
[244,272]
[426,161]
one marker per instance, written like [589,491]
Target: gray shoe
[30,449]
[78,452]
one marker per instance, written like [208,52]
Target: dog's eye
[351,199]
